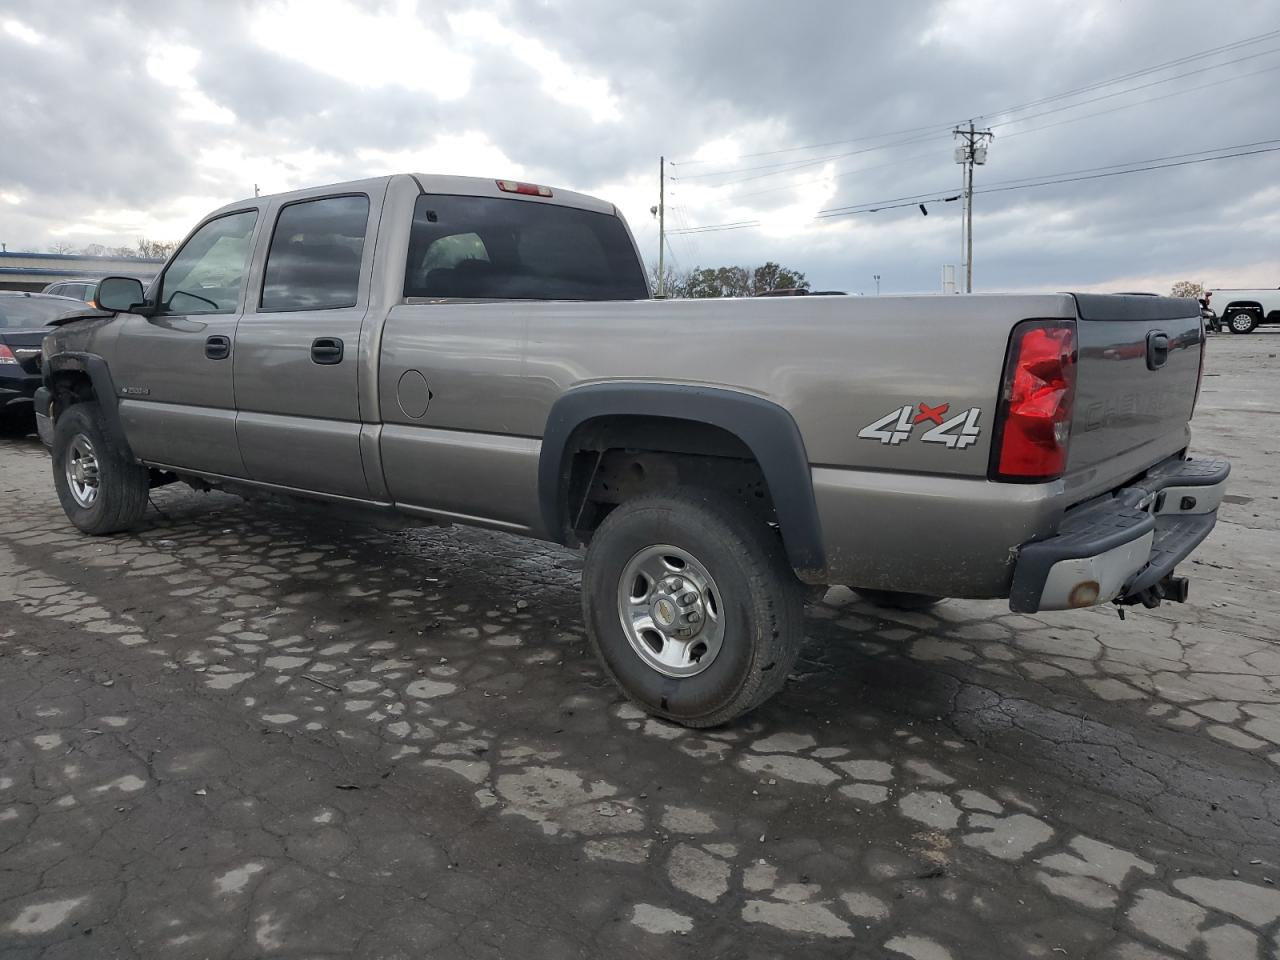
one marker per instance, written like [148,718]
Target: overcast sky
[130,119]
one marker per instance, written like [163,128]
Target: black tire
[760,602]
[122,484]
[896,600]
[1241,321]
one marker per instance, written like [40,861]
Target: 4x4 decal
[955,432]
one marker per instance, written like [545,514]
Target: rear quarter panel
[837,364]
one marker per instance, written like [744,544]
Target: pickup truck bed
[441,349]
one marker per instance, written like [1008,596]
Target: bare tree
[677,283]
[60,247]
[1188,288]
[156,248]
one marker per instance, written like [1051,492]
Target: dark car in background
[25,318]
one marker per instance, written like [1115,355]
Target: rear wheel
[691,606]
[897,600]
[1242,321]
[101,488]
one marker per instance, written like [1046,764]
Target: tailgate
[1139,365]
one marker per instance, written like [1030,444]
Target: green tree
[740,281]
[1188,288]
[773,276]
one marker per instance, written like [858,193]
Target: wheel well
[609,460]
[69,387]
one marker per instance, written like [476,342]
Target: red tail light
[6,355]
[528,189]
[1034,423]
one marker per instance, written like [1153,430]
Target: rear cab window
[491,248]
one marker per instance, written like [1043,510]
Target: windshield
[20,313]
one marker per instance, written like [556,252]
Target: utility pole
[877,276]
[971,152]
[662,225]
[255,190]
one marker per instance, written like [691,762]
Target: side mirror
[120,294]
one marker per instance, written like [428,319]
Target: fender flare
[767,429]
[104,388]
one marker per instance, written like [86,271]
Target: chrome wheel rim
[82,471]
[1241,321]
[671,611]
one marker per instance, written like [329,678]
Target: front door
[173,370]
[298,348]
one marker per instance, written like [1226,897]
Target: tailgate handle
[1157,350]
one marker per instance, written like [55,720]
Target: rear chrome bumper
[1124,546]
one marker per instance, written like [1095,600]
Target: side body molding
[767,429]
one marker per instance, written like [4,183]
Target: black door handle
[1157,350]
[217,348]
[326,350]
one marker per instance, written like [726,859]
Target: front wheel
[691,606]
[1242,321]
[101,488]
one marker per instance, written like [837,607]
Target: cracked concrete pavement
[240,732]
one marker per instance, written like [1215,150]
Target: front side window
[208,273]
[314,260]
[506,249]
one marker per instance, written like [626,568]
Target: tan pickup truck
[444,349]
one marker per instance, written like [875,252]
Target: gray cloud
[88,128]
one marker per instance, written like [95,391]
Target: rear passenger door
[297,359]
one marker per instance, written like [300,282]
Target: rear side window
[493,248]
[314,260]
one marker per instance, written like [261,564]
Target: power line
[1007,136]
[1097,85]
[1071,173]
[1018,133]
[1136,103]
[1073,176]
[1144,86]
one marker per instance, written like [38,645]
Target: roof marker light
[528,189]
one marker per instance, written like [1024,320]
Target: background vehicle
[1244,310]
[86,290]
[453,349]
[25,318]
[1211,320]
